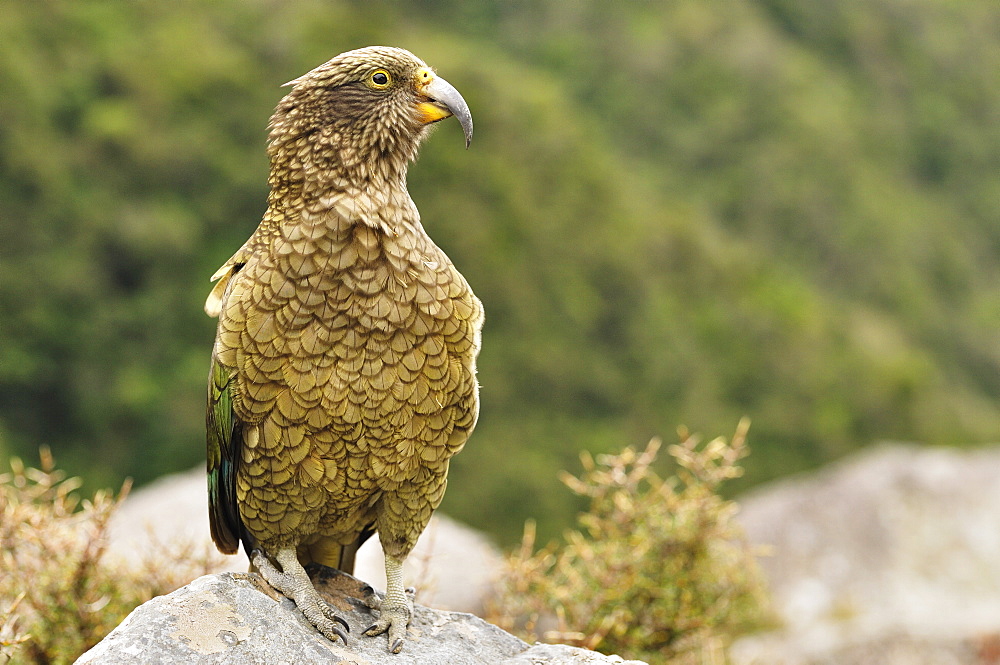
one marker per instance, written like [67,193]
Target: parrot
[343,373]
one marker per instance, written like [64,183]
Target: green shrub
[58,594]
[11,636]
[657,569]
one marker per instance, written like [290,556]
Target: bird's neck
[332,157]
[339,199]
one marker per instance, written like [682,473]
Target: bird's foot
[394,617]
[295,584]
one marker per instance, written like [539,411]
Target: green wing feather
[224,439]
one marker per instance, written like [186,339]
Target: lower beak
[444,100]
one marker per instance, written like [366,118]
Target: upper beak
[445,100]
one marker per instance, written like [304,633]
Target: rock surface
[235,618]
[891,556]
[452,565]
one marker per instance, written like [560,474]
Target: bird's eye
[380,79]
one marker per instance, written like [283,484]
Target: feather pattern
[343,372]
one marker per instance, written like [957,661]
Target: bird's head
[365,111]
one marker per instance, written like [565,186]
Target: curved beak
[444,100]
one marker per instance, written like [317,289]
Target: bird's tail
[333,554]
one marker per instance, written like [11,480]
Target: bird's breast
[378,280]
[371,332]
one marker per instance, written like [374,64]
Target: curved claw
[394,621]
[338,619]
[395,608]
[294,583]
[332,615]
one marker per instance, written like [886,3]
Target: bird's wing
[225,434]
[222,277]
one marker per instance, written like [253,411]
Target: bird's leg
[293,581]
[395,609]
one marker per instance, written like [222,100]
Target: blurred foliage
[11,636]
[656,569]
[681,211]
[63,595]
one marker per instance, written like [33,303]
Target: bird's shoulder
[395,326]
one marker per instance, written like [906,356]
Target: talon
[395,608]
[294,583]
[332,615]
[341,622]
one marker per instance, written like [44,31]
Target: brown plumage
[343,372]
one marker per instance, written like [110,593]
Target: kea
[343,375]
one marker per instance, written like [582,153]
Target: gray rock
[892,551]
[452,564]
[560,654]
[235,618]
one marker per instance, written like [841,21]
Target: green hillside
[679,212]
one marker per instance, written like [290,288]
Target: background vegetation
[656,570]
[683,211]
[66,595]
